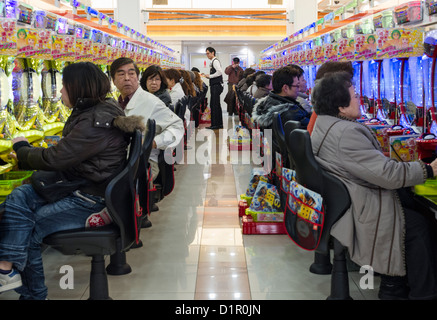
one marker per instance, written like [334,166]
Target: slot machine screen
[61,26]
[11,9]
[377,22]
[113,42]
[432,6]
[86,33]
[106,39]
[96,36]
[50,22]
[408,13]
[39,19]
[79,32]
[24,15]
[71,30]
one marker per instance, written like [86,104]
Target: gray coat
[373,228]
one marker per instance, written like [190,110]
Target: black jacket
[164,96]
[93,146]
[289,109]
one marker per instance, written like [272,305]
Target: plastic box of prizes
[251,227]
[257,176]
[240,139]
[266,204]
[10,180]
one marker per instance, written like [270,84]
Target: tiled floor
[196,250]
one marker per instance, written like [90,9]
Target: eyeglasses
[153,80]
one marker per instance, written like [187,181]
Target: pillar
[128,12]
[305,13]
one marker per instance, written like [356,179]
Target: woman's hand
[434,167]
[19,139]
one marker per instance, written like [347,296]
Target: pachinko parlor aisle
[228,219]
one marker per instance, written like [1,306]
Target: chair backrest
[120,194]
[143,170]
[180,107]
[289,126]
[312,176]
[279,144]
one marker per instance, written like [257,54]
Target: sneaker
[10,281]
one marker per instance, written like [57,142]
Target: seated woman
[174,79]
[154,81]
[384,227]
[177,91]
[93,150]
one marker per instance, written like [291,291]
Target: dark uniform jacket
[93,146]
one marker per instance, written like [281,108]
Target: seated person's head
[173,76]
[334,66]
[153,79]
[84,81]
[285,82]
[301,76]
[264,81]
[334,95]
[125,75]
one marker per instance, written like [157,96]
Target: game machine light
[380,114]
[365,49]
[26,83]
[407,73]
[52,81]
[8,49]
[428,142]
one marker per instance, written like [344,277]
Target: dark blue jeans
[28,218]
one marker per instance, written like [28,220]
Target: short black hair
[334,66]
[236,60]
[299,69]
[118,63]
[195,69]
[248,72]
[85,80]
[263,80]
[281,76]
[210,49]
[331,92]
[152,71]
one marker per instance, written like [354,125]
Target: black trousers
[216,109]
[420,247]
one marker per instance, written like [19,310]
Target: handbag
[54,185]
[304,215]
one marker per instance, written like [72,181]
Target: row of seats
[122,194]
[294,145]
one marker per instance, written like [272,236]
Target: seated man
[282,99]
[264,85]
[135,101]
